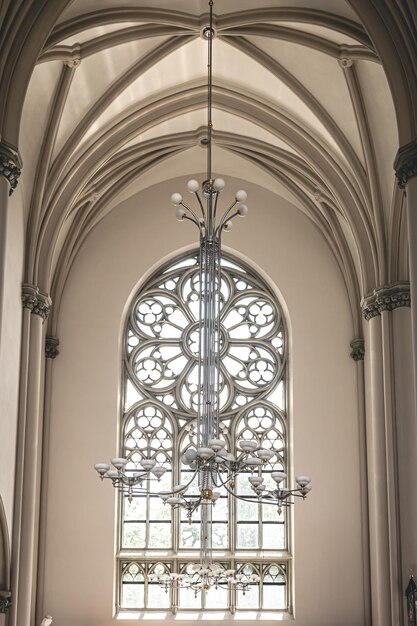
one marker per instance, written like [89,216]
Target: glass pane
[247,535]
[243,486]
[158,597]
[160,535]
[273,536]
[133,595]
[187,599]
[220,535]
[274,596]
[134,535]
[247,511]
[217,598]
[190,535]
[158,510]
[249,599]
[135,510]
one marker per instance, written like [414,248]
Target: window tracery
[160,403]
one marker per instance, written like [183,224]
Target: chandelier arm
[196,219]
[224,218]
[197,195]
[222,224]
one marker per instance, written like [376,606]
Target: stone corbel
[10,164]
[36,301]
[5,601]
[358,349]
[405,164]
[51,347]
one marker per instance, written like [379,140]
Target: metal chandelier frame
[212,465]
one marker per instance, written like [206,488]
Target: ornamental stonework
[5,601]
[357,349]
[36,301]
[10,165]
[51,347]
[405,164]
[386,298]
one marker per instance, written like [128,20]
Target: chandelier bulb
[228,226]
[193,185]
[180,214]
[242,210]
[241,195]
[176,199]
[219,184]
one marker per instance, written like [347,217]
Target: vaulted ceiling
[302,106]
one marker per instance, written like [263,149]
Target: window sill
[224,617]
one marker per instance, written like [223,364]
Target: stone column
[10,166]
[383,409]
[28,462]
[51,352]
[405,166]
[358,355]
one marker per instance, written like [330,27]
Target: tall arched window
[159,409]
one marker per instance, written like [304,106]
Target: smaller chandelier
[199,578]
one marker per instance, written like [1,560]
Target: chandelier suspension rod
[209,32]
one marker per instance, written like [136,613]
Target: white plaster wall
[11,321]
[79,567]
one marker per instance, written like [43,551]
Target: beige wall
[79,567]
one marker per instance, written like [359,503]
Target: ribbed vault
[120,90]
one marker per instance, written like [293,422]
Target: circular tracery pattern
[162,339]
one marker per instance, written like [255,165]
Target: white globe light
[190,455]
[176,199]
[193,185]
[180,214]
[241,195]
[242,210]
[219,184]
[228,226]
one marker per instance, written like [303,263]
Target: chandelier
[213,464]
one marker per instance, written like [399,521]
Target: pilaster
[36,305]
[405,166]
[383,406]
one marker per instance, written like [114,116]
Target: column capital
[36,301]
[358,349]
[5,601]
[51,347]
[386,298]
[405,164]
[10,164]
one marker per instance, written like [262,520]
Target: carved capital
[5,601]
[42,306]
[51,347]
[29,295]
[10,164]
[358,349]
[37,302]
[405,164]
[386,298]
